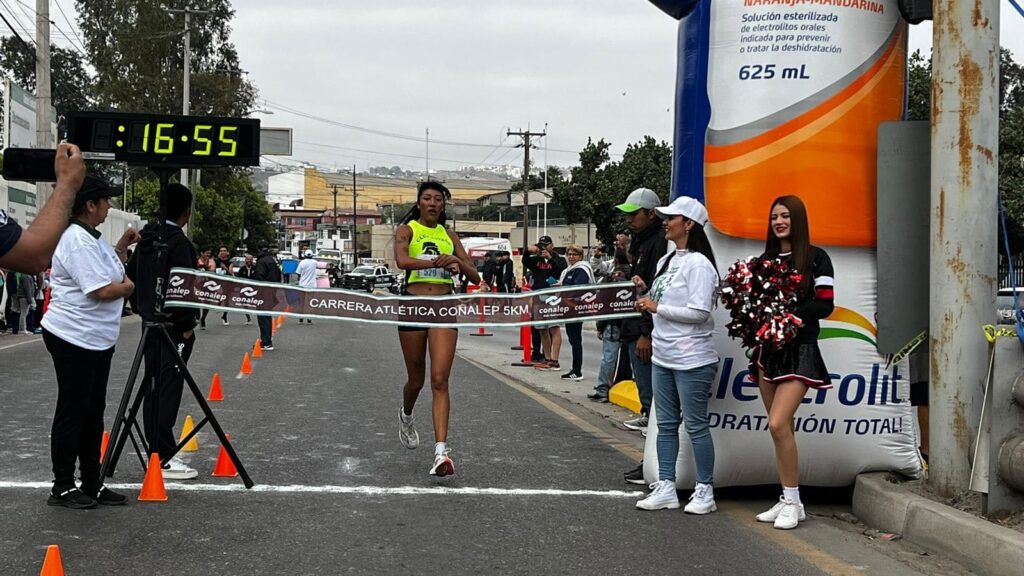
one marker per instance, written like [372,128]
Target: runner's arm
[465,263]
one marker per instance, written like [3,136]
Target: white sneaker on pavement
[443,465]
[789,516]
[772,513]
[702,501]
[663,495]
[175,469]
[407,431]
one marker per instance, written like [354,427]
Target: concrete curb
[973,542]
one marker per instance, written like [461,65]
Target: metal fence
[1018,271]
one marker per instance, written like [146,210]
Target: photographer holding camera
[29,251]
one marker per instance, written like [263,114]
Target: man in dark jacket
[161,412]
[647,245]
[505,273]
[267,270]
[247,270]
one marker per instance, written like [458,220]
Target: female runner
[431,256]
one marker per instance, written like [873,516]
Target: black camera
[29,165]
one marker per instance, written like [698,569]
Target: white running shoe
[663,495]
[175,469]
[407,432]
[443,465]
[702,501]
[773,513]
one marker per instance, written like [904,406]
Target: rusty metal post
[964,184]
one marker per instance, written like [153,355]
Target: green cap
[641,198]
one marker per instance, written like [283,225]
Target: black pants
[574,330]
[77,430]
[266,330]
[159,417]
[535,343]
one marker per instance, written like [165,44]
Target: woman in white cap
[307,274]
[680,300]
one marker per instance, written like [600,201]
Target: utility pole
[334,217]
[964,185]
[43,94]
[185,90]
[354,220]
[526,181]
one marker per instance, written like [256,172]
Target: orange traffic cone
[246,365]
[52,566]
[103,445]
[193,444]
[257,350]
[153,484]
[225,467]
[216,394]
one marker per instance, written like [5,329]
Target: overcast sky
[469,70]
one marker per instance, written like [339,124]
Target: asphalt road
[537,491]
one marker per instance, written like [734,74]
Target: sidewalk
[878,500]
[494,351]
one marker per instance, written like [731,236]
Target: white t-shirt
[83,264]
[307,273]
[687,285]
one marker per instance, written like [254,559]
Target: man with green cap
[647,246]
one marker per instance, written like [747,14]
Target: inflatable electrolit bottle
[777,97]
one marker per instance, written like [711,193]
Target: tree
[137,49]
[494,213]
[70,83]
[596,186]
[218,219]
[919,98]
[577,196]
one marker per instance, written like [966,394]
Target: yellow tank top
[427,244]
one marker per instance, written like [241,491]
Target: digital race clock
[163,140]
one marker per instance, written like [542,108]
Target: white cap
[641,198]
[308,254]
[685,206]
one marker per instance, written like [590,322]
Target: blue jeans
[685,392]
[642,377]
[609,358]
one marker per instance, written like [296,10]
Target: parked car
[368,277]
[1004,304]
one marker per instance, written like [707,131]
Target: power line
[296,112]
[419,157]
[71,27]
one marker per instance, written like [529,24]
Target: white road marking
[29,341]
[355,490]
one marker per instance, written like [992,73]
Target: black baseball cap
[94,188]
[544,241]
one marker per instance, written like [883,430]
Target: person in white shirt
[680,300]
[88,288]
[307,274]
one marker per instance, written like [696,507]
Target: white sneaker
[443,465]
[790,516]
[407,432]
[663,495]
[702,501]
[771,514]
[226,323]
[175,469]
